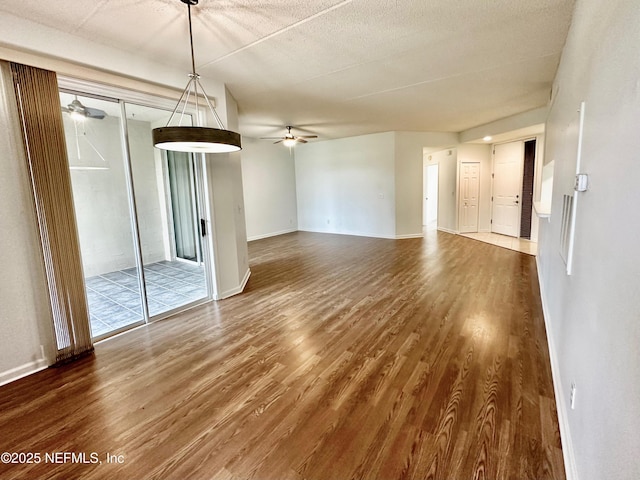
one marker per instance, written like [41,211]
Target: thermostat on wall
[582,182]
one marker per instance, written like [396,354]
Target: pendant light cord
[194,83]
[193,60]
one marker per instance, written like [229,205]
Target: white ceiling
[341,68]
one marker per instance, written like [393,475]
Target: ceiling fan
[78,111]
[289,140]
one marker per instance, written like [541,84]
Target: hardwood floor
[346,358]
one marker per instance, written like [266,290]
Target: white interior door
[431,195]
[469,189]
[425,196]
[508,160]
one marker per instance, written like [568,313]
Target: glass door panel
[166,201]
[99,180]
[180,170]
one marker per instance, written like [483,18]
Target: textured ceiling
[341,68]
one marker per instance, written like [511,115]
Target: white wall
[447,161]
[269,185]
[368,185]
[25,317]
[593,315]
[225,207]
[481,154]
[347,186]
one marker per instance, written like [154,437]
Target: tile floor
[114,298]
[512,243]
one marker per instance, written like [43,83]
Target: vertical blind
[46,154]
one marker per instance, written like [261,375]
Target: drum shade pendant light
[195,139]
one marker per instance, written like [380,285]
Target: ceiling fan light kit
[289,139]
[78,112]
[197,139]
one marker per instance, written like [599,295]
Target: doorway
[430,189]
[127,213]
[184,206]
[528,175]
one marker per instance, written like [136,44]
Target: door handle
[203,227]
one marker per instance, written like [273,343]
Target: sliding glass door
[167,201]
[104,218]
[138,214]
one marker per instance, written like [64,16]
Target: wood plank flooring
[346,358]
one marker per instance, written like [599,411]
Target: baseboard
[236,290]
[353,234]
[446,230]
[273,234]
[22,371]
[411,235]
[570,466]
[370,235]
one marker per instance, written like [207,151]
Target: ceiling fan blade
[95,113]
[289,136]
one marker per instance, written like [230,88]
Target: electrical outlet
[572,396]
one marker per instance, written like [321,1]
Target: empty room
[337,239]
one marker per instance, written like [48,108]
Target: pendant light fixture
[195,139]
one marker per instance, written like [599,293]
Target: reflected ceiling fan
[78,111]
[289,140]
